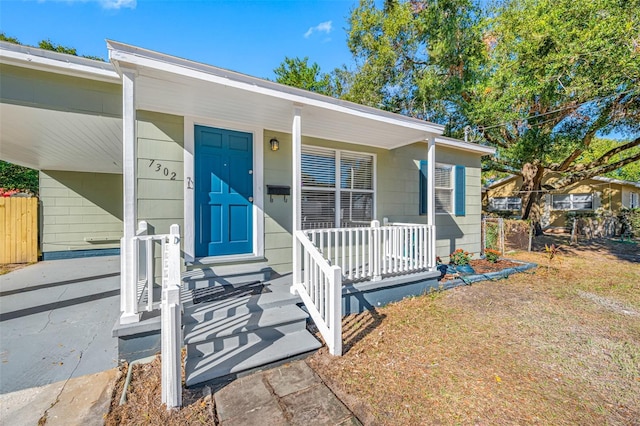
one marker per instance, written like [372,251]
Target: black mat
[222,292]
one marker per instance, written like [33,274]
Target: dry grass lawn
[556,345]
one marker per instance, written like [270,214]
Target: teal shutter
[423,186]
[459,195]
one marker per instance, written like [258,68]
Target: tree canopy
[537,79]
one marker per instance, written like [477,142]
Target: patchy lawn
[559,344]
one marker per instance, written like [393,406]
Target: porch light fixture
[275,145]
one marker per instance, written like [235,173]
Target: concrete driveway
[56,319]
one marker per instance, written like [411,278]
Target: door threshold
[220,260]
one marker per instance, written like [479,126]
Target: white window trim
[507,209]
[189,194]
[571,200]
[633,205]
[453,189]
[337,189]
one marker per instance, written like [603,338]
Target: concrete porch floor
[56,319]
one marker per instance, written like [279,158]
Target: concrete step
[285,319]
[274,295]
[239,353]
[210,275]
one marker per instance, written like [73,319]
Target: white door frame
[189,184]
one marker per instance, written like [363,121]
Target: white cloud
[105,4]
[118,4]
[321,27]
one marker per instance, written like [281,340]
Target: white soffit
[49,139]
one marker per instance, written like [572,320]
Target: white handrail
[321,292]
[373,252]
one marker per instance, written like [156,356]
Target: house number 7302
[157,167]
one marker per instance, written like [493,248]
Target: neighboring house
[242,165]
[590,195]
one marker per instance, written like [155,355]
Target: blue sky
[251,37]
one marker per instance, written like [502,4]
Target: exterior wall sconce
[275,145]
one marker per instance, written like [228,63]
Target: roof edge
[121,52]
[466,146]
[60,63]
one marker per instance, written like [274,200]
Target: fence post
[501,231]
[171,323]
[335,312]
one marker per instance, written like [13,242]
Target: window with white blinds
[572,201]
[444,188]
[337,188]
[505,203]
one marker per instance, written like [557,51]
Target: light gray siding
[80,211]
[55,91]
[160,170]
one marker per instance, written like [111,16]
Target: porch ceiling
[48,139]
[205,100]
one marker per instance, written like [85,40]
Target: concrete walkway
[56,319]
[291,394]
[78,401]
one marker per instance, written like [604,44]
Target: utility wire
[483,128]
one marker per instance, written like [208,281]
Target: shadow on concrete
[5,316]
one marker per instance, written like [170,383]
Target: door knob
[251,199]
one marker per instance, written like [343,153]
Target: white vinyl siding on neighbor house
[505,203]
[337,188]
[572,201]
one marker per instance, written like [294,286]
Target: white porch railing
[372,252]
[144,246]
[321,291]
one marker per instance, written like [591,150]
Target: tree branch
[604,159]
[500,166]
[587,174]
[600,122]
[495,141]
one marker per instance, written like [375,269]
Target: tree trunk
[530,190]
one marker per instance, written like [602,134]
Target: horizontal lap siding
[160,152]
[56,91]
[398,195]
[160,138]
[277,214]
[80,211]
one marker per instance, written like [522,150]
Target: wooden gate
[19,230]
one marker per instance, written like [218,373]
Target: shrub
[492,255]
[460,257]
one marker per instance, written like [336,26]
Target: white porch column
[296,142]
[128,280]
[431,198]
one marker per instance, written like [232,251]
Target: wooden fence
[18,230]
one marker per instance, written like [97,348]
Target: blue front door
[224,192]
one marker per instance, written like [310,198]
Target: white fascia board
[142,58]
[616,181]
[59,63]
[466,146]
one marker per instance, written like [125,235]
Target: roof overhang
[55,134]
[60,63]
[174,85]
